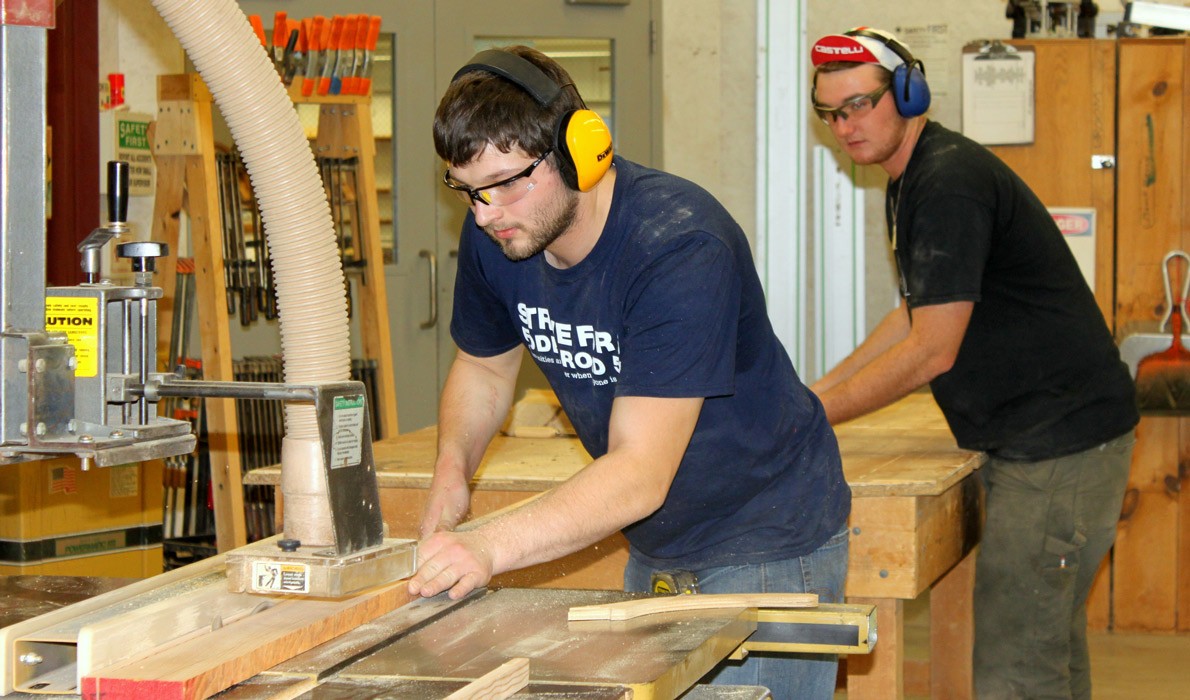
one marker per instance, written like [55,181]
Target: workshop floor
[1123,666]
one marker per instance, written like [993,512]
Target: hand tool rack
[184,151]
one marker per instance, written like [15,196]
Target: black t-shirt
[1038,374]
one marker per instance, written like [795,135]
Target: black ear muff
[911,92]
[581,138]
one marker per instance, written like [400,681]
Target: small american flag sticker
[62,480]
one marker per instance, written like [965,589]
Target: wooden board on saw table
[201,667]
[659,658]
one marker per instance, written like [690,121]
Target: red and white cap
[857,49]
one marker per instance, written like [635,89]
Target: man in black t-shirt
[997,319]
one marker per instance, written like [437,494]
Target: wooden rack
[184,151]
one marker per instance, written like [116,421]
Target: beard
[544,228]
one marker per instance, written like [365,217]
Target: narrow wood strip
[505,681]
[629,609]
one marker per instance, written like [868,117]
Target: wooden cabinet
[1127,98]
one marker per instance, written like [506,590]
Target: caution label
[280,577]
[78,318]
[348,431]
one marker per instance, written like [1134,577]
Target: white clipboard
[998,99]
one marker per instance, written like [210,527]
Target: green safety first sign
[132,146]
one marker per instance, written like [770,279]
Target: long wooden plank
[1149,174]
[149,628]
[62,616]
[629,609]
[1183,495]
[1182,478]
[204,666]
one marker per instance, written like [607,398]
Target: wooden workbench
[914,519]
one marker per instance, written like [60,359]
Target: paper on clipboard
[998,104]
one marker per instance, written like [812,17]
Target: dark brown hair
[481,108]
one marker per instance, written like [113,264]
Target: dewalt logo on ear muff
[581,138]
[586,142]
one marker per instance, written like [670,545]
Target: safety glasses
[855,107]
[508,191]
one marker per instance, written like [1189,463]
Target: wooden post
[184,149]
[952,632]
[880,674]
[344,131]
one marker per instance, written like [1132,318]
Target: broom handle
[1180,302]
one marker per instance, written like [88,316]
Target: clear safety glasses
[498,194]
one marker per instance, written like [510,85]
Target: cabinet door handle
[433,319]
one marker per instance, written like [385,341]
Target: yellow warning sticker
[280,577]
[78,318]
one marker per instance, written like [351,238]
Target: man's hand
[447,505]
[456,561]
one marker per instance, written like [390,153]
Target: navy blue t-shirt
[668,304]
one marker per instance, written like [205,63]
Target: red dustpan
[1161,361]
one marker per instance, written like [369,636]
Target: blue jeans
[1048,525]
[787,676]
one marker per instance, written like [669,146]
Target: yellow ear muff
[588,143]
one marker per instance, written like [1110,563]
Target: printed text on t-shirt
[581,350]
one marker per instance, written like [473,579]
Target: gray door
[607,47]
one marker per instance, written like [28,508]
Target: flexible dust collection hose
[315,337]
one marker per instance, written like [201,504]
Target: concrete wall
[135,41]
[708,54]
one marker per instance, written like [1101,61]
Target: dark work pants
[1048,526]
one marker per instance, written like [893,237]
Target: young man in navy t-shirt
[635,293]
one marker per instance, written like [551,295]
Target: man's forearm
[473,406]
[627,484]
[476,399]
[887,378]
[930,349]
[893,328]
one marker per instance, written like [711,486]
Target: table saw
[915,522]
[416,648]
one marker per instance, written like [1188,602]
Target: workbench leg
[881,674]
[952,632]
